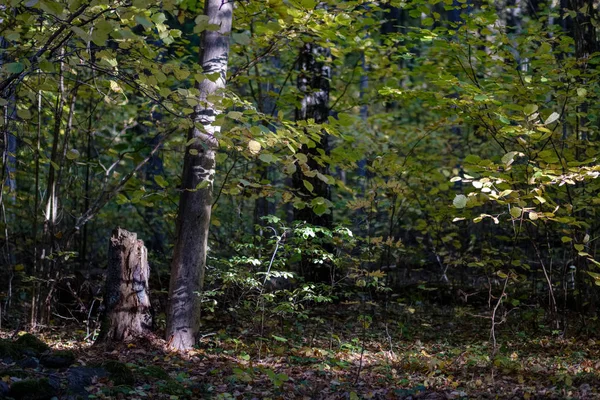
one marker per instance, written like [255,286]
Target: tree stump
[127,303]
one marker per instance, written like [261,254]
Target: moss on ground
[119,373]
[29,341]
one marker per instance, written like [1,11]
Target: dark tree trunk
[127,313]
[583,29]
[313,82]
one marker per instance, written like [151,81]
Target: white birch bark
[189,254]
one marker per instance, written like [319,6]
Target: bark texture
[127,313]
[195,202]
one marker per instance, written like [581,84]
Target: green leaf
[565,239]
[509,157]
[72,154]
[159,18]
[516,212]
[530,109]
[46,65]
[504,120]
[302,158]
[81,33]
[266,158]
[213,76]
[100,33]
[322,177]
[52,7]
[235,115]
[321,209]
[181,74]
[472,159]
[309,186]
[596,277]
[201,23]
[308,4]
[24,114]
[145,22]
[160,181]
[460,201]
[14,68]
[279,338]
[241,38]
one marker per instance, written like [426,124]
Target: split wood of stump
[127,303]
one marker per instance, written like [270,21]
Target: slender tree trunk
[86,191]
[48,263]
[189,254]
[10,139]
[127,314]
[7,177]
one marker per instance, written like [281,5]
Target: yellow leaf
[254,147]
[114,86]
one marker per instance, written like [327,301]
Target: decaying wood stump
[127,303]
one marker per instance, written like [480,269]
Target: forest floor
[426,353]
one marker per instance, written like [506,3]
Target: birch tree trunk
[195,202]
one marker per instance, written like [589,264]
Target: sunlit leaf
[460,201]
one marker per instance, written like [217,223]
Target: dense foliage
[458,161]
